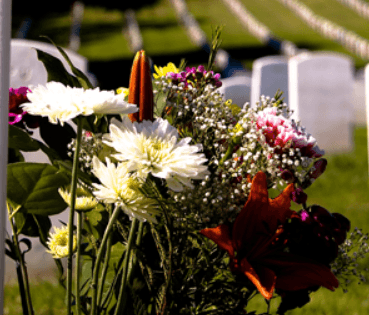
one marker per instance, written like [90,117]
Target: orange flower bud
[140,88]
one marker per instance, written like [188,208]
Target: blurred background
[104,32]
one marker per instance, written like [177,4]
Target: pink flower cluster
[194,75]
[281,134]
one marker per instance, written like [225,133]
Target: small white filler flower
[119,187]
[61,103]
[154,147]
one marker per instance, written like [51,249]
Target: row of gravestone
[352,41]
[259,30]
[361,7]
[318,86]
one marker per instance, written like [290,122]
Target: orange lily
[140,88]
[251,245]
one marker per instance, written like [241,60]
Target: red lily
[252,249]
[140,88]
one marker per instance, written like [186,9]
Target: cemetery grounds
[342,188]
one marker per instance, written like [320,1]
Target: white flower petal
[153,147]
[61,103]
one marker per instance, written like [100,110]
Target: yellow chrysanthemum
[84,200]
[233,107]
[124,91]
[58,243]
[162,71]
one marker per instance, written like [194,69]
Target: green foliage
[20,140]
[33,187]
[55,70]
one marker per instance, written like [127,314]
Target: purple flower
[304,215]
[299,196]
[319,167]
[191,70]
[201,68]
[287,176]
[216,76]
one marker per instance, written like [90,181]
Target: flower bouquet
[171,186]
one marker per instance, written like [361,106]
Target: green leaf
[43,225]
[98,219]
[14,156]
[20,140]
[56,71]
[57,137]
[83,80]
[33,225]
[20,221]
[116,254]
[67,167]
[34,187]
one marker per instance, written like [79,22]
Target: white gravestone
[359,98]
[367,103]
[236,88]
[268,75]
[26,69]
[320,89]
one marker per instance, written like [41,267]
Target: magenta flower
[16,113]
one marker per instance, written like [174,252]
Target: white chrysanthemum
[153,147]
[61,103]
[58,243]
[119,187]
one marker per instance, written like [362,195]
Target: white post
[5,30]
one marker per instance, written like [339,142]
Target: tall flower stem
[133,260]
[138,243]
[99,257]
[121,301]
[21,271]
[71,216]
[106,264]
[78,261]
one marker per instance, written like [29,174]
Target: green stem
[268,303]
[138,243]
[121,302]
[71,216]
[78,261]
[21,271]
[133,262]
[22,291]
[99,257]
[106,264]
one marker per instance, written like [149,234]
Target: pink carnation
[278,131]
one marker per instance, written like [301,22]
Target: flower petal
[252,214]
[220,236]
[297,273]
[264,279]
